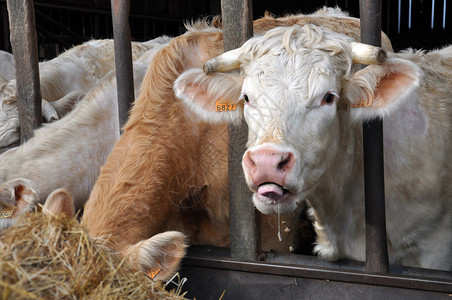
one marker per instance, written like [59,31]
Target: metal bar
[25,48]
[6,44]
[123,57]
[41,15]
[315,262]
[96,26]
[328,274]
[376,242]
[237,19]
[245,234]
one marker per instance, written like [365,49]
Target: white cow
[7,67]
[77,69]
[69,152]
[304,102]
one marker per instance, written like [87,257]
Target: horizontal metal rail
[427,280]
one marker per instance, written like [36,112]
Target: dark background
[62,24]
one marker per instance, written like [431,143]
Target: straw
[52,257]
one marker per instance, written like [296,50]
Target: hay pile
[51,257]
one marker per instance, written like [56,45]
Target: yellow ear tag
[154,272]
[6,213]
[219,107]
[364,103]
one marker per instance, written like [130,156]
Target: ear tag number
[6,213]
[219,107]
[154,272]
[364,103]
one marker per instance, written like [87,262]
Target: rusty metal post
[245,234]
[376,242]
[25,49]
[123,58]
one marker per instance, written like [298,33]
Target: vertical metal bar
[376,242]
[215,7]
[245,235]
[25,48]
[96,25]
[123,57]
[6,45]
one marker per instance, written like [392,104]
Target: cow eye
[328,99]
[245,97]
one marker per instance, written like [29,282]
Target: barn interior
[61,24]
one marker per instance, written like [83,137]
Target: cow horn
[225,62]
[367,55]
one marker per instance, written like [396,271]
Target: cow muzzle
[266,169]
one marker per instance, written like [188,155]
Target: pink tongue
[270,190]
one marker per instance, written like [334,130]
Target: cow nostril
[249,161]
[285,159]
[282,164]
[252,163]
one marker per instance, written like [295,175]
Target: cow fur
[69,152]
[7,66]
[77,69]
[169,170]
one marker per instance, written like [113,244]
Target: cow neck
[331,200]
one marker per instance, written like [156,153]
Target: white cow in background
[7,67]
[304,102]
[69,152]
[77,69]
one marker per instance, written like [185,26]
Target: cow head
[297,87]
[9,113]
[17,197]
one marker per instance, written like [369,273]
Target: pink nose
[268,165]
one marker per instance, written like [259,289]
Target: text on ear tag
[154,272]
[6,213]
[219,107]
[364,103]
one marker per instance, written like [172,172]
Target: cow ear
[18,196]
[59,202]
[3,83]
[8,94]
[214,98]
[378,90]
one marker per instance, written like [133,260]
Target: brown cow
[169,171]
